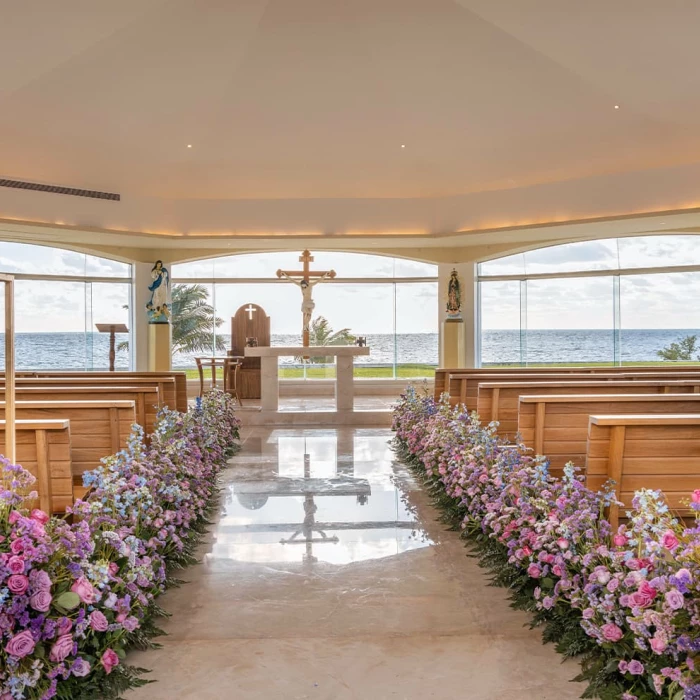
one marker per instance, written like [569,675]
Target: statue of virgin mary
[157,307]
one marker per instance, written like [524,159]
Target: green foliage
[193,321]
[681,351]
[321,333]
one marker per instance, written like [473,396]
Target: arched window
[390,301]
[607,301]
[59,297]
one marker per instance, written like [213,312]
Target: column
[462,338]
[152,344]
[269,383]
[344,387]
[141,278]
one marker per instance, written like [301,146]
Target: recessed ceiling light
[403,145]
[617,106]
[189,145]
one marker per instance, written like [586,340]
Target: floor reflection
[310,496]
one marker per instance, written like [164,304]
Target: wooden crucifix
[306,279]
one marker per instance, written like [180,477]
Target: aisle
[326,576]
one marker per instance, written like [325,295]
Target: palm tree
[321,333]
[193,320]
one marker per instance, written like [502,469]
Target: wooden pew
[145,398]
[442,374]
[179,402]
[164,384]
[97,428]
[442,381]
[464,387]
[498,401]
[557,425]
[644,451]
[44,449]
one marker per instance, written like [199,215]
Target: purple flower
[21,644]
[18,584]
[636,668]
[80,668]
[674,599]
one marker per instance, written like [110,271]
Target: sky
[646,301]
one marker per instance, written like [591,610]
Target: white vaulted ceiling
[297,110]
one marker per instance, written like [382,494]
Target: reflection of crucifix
[251,310]
[306,284]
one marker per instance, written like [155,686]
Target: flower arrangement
[627,603]
[74,595]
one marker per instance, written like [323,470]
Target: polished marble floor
[326,575]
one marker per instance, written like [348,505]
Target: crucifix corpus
[306,280]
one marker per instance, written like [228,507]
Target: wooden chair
[232,369]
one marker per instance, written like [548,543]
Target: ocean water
[80,351]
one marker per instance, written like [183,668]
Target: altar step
[370,411]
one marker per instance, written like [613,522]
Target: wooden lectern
[112,329]
[250,325]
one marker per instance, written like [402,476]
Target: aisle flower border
[77,592]
[626,603]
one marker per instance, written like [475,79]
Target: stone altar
[269,375]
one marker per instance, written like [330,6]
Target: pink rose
[563,543]
[669,540]
[695,496]
[39,516]
[14,517]
[84,589]
[674,599]
[620,540]
[16,565]
[64,625]
[644,596]
[41,601]
[658,645]
[113,568]
[533,571]
[98,621]
[61,648]
[636,668]
[611,632]
[21,644]
[17,546]
[18,583]
[109,660]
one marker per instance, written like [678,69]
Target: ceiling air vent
[57,189]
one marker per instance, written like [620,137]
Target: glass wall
[614,302]
[59,297]
[389,301]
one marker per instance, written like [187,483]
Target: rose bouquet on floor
[75,595]
[625,602]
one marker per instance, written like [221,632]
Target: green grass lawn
[406,371]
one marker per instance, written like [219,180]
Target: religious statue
[306,284]
[454,297]
[158,307]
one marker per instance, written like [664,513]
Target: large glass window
[391,302]
[55,318]
[593,302]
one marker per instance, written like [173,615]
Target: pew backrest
[44,449]
[145,398]
[644,451]
[98,428]
[498,401]
[557,425]
[180,382]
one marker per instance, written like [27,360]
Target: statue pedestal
[159,347]
[453,349]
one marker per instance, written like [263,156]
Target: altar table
[269,371]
